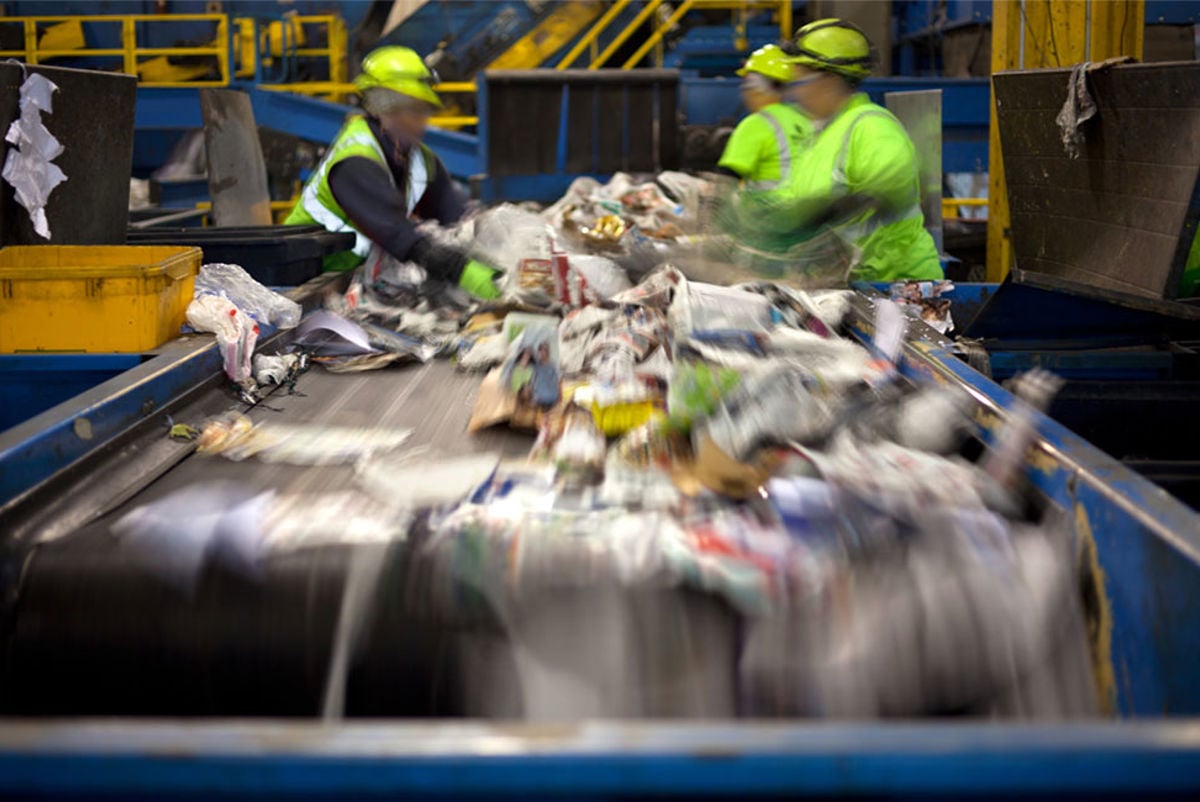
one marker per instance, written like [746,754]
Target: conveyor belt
[434,400]
[93,633]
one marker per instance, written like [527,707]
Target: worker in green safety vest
[857,178]
[760,150]
[759,157]
[377,177]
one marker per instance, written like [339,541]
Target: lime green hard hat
[771,61]
[834,45]
[401,70]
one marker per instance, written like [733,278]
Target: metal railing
[741,8]
[951,206]
[130,51]
[328,88]
[239,47]
[281,43]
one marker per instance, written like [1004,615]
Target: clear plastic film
[30,167]
[257,301]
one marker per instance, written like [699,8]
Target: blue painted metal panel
[182,193]
[460,152]
[1172,12]
[35,450]
[275,761]
[306,117]
[541,188]
[710,50]
[152,148]
[33,383]
[167,109]
[1091,365]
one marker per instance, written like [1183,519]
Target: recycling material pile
[726,441]
[729,507]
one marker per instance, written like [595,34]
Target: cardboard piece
[712,469]
[494,404]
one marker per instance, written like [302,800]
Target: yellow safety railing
[261,41]
[130,51]
[321,88]
[783,9]
[951,206]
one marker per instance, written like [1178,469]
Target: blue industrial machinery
[272,761]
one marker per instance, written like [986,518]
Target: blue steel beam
[599,760]
[35,450]
[305,117]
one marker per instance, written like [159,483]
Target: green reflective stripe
[317,203]
[785,155]
[839,168]
[861,230]
[316,199]
[326,217]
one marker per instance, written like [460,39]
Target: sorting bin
[94,298]
[277,256]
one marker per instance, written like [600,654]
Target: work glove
[441,262]
[479,280]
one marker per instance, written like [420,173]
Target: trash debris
[236,438]
[421,481]
[530,372]
[30,167]
[275,369]
[240,528]
[343,346]
[729,442]
[236,333]
[182,431]
[923,300]
[260,303]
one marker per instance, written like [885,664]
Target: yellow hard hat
[771,61]
[401,70]
[834,45]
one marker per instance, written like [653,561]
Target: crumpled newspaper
[29,167]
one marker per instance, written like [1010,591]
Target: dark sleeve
[440,201]
[376,208]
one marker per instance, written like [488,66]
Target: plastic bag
[260,303]
[236,333]
[29,167]
[507,234]
[708,307]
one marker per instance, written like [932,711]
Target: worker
[377,176]
[760,150]
[858,176]
[757,163]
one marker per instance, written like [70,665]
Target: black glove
[441,262]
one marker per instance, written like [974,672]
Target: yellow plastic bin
[94,298]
